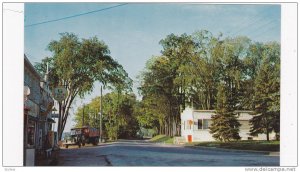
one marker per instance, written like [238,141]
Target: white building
[37,114]
[195,125]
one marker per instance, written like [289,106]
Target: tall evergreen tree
[267,93]
[225,126]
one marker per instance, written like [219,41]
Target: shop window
[40,137]
[49,126]
[31,133]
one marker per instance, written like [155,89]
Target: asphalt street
[141,153]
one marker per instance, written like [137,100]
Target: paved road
[140,153]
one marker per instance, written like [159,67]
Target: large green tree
[210,72]
[119,118]
[157,94]
[252,63]
[163,85]
[267,93]
[200,78]
[225,126]
[76,64]
[146,117]
[88,114]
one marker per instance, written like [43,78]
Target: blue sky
[133,31]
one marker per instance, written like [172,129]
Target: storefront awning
[33,118]
[50,120]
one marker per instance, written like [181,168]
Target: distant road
[141,153]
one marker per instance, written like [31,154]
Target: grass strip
[242,145]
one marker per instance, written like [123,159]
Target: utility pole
[83,116]
[101,111]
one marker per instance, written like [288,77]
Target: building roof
[243,111]
[236,111]
[204,110]
[30,67]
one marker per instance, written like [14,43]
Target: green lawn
[242,145]
[253,145]
[162,139]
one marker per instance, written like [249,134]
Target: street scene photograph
[152,84]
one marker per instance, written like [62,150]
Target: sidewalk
[47,160]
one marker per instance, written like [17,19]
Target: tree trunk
[59,121]
[166,129]
[268,139]
[63,116]
[64,108]
[170,125]
[174,128]
[160,129]
[267,128]
[179,127]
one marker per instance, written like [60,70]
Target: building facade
[31,112]
[37,114]
[195,125]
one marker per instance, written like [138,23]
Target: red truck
[82,135]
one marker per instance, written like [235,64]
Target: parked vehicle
[83,135]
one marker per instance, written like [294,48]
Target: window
[203,124]
[49,126]
[31,134]
[200,124]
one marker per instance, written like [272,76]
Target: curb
[221,149]
[168,145]
[274,154]
[236,150]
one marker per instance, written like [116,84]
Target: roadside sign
[26,92]
[59,93]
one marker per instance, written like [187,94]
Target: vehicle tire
[95,141]
[83,142]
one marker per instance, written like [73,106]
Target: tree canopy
[200,70]
[76,64]
[119,117]
[210,72]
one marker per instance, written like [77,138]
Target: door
[190,138]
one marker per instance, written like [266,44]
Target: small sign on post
[26,92]
[60,93]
